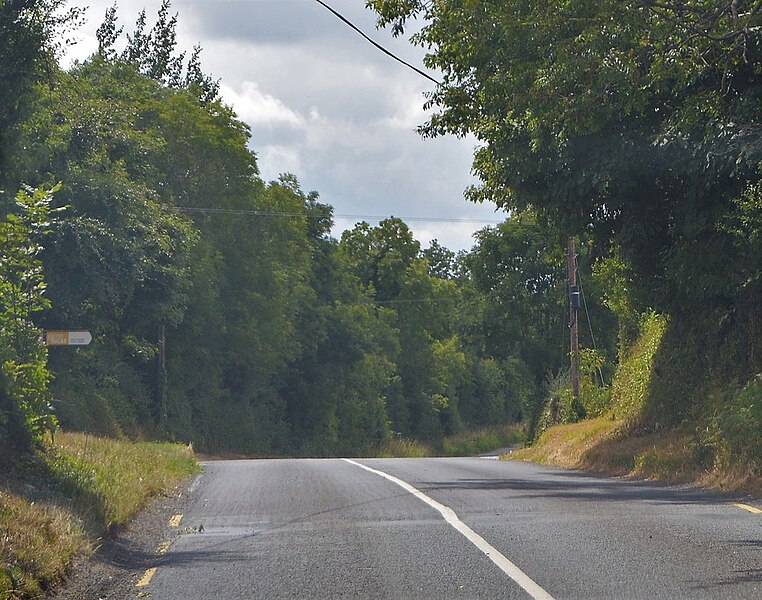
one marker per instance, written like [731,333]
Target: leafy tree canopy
[636,121]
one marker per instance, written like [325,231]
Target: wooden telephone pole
[574,304]
[161,374]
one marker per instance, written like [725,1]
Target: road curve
[332,529]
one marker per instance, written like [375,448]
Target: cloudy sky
[328,107]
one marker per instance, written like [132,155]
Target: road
[450,528]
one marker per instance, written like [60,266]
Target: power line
[266,213]
[376,44]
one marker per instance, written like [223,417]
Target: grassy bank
[55,502]
[467,443]
[664,419]
[606,446]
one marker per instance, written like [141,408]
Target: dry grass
[467,443]
[566,445]
[399,447]
[603,445]
[110,480]
[470,443]
[37,543]
[79,486]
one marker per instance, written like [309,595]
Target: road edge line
[747,507]
[146,579]
[503,563]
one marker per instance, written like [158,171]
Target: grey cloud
[257,21]
[295,22]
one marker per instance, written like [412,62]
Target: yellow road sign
[67,338]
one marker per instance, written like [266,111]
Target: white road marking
[505,565]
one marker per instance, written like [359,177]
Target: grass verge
[606,446]
[467,443]
[567,445]
[55,502]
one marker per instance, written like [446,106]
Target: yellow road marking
[146,579]
[751,509]
[175,521]
[163,547]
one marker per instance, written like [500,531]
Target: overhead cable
[376,44]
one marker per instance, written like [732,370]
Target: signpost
[574,304]
[66,338]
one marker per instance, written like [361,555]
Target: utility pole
[574,304]
[161,375]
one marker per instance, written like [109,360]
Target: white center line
[505,565]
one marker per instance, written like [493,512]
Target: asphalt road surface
[450,528]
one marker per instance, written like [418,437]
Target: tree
[25,409]
[514,288]
[108,34]
[380,255]
[118,262]
[387,261]
[152,53]
[627,119]
[442,261]
[27,51]
[634,124]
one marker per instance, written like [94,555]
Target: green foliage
[28,43]
[380,255]
[517,284]
[442,262]
[423,399]
[25,409]
[632,385]
[635,125]
[736,429]
[593,393]
[614,277]
[110,480]
[448,369]
[561,406]
[248,333]
[225,314]
[513,313]
[568,98]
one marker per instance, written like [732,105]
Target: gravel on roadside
[121,559]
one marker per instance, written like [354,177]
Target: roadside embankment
[606,446]
[55,503]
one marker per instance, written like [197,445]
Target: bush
[631,387]
[25,410]
[736,431]
[561,406]
[593,393]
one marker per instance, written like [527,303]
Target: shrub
[736,431]
[632,381]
